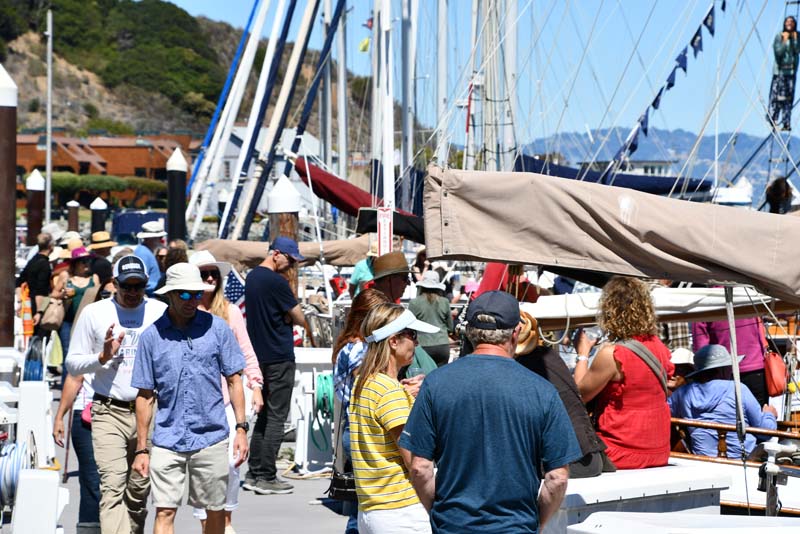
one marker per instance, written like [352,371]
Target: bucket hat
[711,357]
[152,229]
[184,277]
[430,280]
[69,236]
[204,258]
[388,264]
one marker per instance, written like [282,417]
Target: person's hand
[141,464]
[412,385]
[241,449]
[784,36]
[36,318]
[769,409]
[584,344]
[58,431]
[111,344]
[258,400]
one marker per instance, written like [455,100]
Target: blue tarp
[657,185]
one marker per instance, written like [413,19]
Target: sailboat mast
[409,51]
[441,82]
[375,107]
[468,161]
[509,87]
[490,115]
[341,97]
[387,105]
[326,114]
[48,182]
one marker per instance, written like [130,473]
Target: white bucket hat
[152,229]
[430,280]
[184,277]
[203,258]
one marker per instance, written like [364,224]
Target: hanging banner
[385,230]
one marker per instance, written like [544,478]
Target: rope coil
[14,458]
[323,409]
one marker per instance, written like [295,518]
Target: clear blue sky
[554,62]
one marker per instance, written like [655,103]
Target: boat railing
[722,430]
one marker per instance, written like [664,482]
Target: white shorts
[408,520]
[207,471]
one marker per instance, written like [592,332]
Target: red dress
[633,413]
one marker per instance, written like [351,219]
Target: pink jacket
[251,369]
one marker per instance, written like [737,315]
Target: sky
[586,64]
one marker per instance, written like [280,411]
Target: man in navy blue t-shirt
[272,309]
[495,432]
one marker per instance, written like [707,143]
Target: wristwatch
[244,426]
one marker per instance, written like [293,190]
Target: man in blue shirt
[180,358]
[272,309]
[492,429]
[151,235]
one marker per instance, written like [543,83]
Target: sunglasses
[133,287]
[213,273]
[189,295]
[290,259]
[410,334]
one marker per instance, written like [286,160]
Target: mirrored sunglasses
[189,295]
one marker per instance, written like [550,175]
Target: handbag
[343,485]
[775,374]
[53,315]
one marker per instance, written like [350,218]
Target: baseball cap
[500,305]
[287,246]
[130,267]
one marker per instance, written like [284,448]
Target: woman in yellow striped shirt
[379,407]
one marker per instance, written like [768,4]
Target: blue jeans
[89,509]
[349,508]
[64,333]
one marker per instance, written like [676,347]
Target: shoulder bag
[647,357]
[343,484]
[53,315]
[775,374]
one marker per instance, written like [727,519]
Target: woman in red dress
[633,418]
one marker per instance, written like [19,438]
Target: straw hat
[184,277]
[101,240]
[430,280]
[528,335]
[152,229]
[74,243]
[388,264]
[203,258]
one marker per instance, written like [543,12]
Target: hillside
[122,66]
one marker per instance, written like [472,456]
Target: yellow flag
[363,46]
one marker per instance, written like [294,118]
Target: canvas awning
[558,312]
[241,254]
[540,220]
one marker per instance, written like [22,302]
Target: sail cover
[657,185]
[540,220]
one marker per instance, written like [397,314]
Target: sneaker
[229,530]
[249,483]
[272,487]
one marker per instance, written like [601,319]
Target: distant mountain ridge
[672,145]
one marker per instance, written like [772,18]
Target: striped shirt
[381,476]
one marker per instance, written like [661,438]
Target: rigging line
[580,64]
[634,92]
[696,144]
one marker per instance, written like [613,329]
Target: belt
[128,405]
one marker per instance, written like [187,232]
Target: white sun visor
[406,320]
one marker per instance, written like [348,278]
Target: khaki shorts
[208,477]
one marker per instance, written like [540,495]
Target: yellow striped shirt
[382,480]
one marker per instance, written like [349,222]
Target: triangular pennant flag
[708,22]
[363,46]
[681,59]
[368,23]
[644,121]
[634,144]
[671,79]
[723,5]
[657,99]
[697,41]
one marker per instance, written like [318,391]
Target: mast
[326,111]
[387,105]
[210,171]
[49,125]
[375,109]
[468,161]
[441,82]
[341,97]
[490,133]
[509,87]
[408,66]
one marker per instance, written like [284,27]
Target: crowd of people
[158,362]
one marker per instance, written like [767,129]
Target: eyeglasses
[213,273]
[189,295]
[133,287]
[290,259]
[410,334]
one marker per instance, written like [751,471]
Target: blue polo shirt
[184,368]
[493,429]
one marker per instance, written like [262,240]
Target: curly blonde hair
[626,309]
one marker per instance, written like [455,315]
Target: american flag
[234,290]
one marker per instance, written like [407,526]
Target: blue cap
[287,246]
[500,305]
